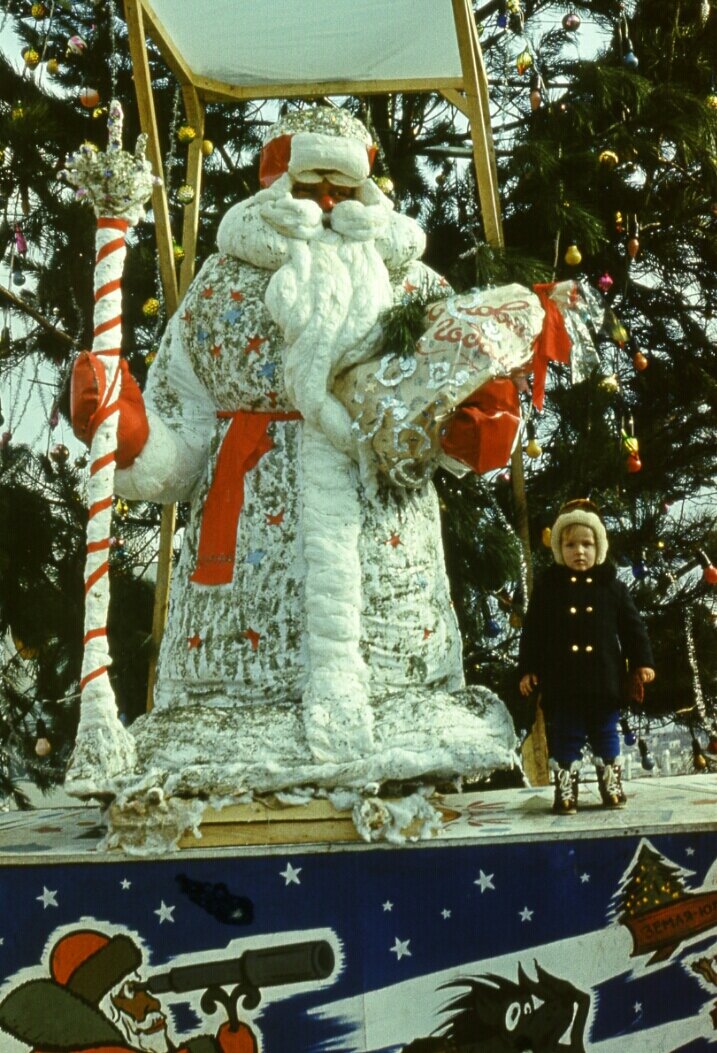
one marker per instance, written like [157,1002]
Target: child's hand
[646,674]
[529,681]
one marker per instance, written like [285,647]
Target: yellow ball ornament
[52,66]
[573,256]
[150,307]
[38,11]
[17,113]
[711,100]
[546,536]
[533,449]
[186,134]
[207,147]
[185,194]
[384,184]
[178,253]
[610,383]
[30,58]
[608,158]
[150,357]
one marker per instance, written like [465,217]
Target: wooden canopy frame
[468,93]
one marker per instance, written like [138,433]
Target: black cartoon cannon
[247,974]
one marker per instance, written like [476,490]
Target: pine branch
[21,305]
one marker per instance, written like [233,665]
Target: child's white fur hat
[580,512]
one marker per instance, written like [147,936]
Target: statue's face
[326,195]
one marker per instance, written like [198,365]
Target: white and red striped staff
[117,185]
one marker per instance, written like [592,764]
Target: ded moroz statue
[311,640]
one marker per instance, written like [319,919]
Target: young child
[580,630]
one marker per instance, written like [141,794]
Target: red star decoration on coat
[254,345]
[194,642]
[217,350]
[187,316]
[253,638]
[206,294]
[237,295]
[427,633]
[394,541]
[409,286]
[272,397]
[276,520]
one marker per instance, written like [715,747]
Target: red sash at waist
[244,444]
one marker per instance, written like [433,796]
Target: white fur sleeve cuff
[167,469]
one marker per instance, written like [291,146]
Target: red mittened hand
[240,1041]
[481,431]
[89,407]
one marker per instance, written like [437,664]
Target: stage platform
[511,929]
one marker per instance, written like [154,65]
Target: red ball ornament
[89,98]
[634,464]
[712,744]
[640,361]
[709,573]
[633,247]
[605,282]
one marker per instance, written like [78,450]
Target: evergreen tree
[612,162]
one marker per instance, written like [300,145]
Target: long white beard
[326,299]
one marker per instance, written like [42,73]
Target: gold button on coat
[588,648]
[575,647]
[573,610]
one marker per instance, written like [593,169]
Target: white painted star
[164,912]
[2,940]
[485,881]
[126,883]
[690,851]
[445,914]
[637,1007]
[291,875]
[387,905]
[400,949]
[526,914]
[48,898]
[584,878]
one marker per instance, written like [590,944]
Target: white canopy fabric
[244,42]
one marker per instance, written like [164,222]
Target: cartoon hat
[89,963]
[323,142]
[579,512]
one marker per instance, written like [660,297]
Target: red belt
[244,444]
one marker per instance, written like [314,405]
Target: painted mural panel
[577,945]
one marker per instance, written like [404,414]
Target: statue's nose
[326,202]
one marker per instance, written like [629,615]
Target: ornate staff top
[115,182]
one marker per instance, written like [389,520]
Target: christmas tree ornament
[5,341]
[89,98]
[633,246]
[38,11]
[150,307]
[26,652]
[573,256]
[207,147]
[177,252]
[515,620]
[492,628]
[628,735]
[610,383]
[20,243]
[385,184]
[31,58]
[605,282]
[712,744]
[646,759]
[571,22]
[59,453]
[186,134]
[629,59]
[631,448]
[52,66]
[99,111]
[523,62]
[17,113]
[502,16]
[640,361]
[546,535]
[150,357]
[43,746]
[533,448]
[608,159]
[121,508]
[76,45]
[18,278]
[536,91]
[709,574]
[185,194]
[614,328]
[117,185]
[711,100]
[639,570]
[82,461]
[698,758]
[516,18]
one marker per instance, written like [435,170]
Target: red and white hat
[89,963]
[323,142]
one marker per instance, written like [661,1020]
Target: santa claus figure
[311,638]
